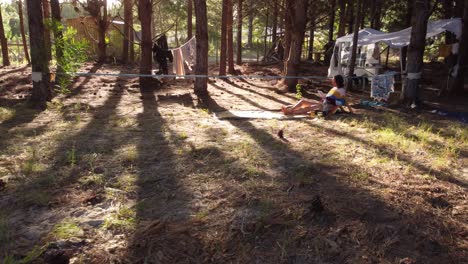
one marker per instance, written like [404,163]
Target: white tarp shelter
[368,61]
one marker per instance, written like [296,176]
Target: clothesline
[186,43]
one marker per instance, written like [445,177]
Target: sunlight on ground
[114,164]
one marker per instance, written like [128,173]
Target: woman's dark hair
[339,80]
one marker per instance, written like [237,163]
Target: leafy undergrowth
[107,174]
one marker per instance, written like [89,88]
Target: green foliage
[74,54]
[71,156]
[66,229]
[298,92]
[124,219]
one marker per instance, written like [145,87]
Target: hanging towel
[189,52]
[178,64]
[382,86]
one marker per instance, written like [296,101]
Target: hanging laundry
[382,86]
[189,50]
[178,64]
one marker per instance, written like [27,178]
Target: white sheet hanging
[396,40]
[402,38]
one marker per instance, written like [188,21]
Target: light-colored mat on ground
[236,114]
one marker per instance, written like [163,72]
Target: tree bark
[299,19]
[250,27]
[376,14]
[58,34]
[48,43]
[411,91]
[223,56]
[230,38]
[23,35]
[102,27]
[127,30]
[144,13]
[342,26]
[3,41]
[189,19]
[132,38]
[459,81]
[311,43]
[331,24]
[265,37]
[288,27]
[41,92]
[352,61]
[239,32]
[274,28]
[201,84]
[350,16]
[409,15]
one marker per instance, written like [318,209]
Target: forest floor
[109,175]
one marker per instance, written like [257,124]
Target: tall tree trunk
[127,30]
[132,37]
[459,7]
[102,27]
[448,13]
[239,32]
[274,28]
[331,24]
[462,55]
[409,15]
[23,35]
[230,38]
[362,21]
[144,13]
[288,28]
[201,85]
[281,15]
[189,19]
[311,42]
[265,37]
[41,92]
[299,19]
[352,61]
[250,27]
[176,34]
[342,26]
[223,56]
[46,10]
[3,41]
[376,14]
[350,16]
[58,34]
[411,92]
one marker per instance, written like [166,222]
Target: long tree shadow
[78,86]
[243,98]
[388,226]
[38,200]
[269,97]
[163,232]
[14,71]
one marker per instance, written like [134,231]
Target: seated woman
[331,102]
